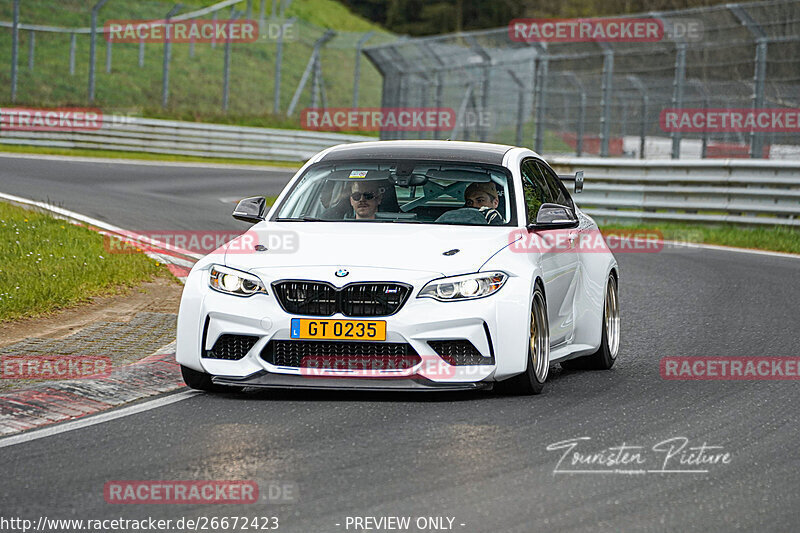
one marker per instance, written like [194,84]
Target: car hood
[414,247]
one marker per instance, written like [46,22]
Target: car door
[559,263]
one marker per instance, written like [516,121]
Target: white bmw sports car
[404,265]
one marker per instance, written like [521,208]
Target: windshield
[401,191]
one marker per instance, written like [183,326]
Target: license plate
[368,330]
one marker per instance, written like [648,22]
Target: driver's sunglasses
[356,196]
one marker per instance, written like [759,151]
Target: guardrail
[745,191]
[742,191]
[133,134]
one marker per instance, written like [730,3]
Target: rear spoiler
[577,178]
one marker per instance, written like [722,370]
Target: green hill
[195,82]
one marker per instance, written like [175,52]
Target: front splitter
[269,380]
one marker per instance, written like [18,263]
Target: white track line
[96,419]
[731,249]
[111,160]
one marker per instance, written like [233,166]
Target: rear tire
[202,381]
[606,354]
[532,380]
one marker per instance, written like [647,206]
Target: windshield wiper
[304,218]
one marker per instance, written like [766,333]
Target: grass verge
[772,238]
[47,264]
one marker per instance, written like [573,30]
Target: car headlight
[467,287]
[236,282]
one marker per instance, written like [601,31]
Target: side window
[557,190]
[534,188]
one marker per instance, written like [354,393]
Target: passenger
[365,198]
[483,197]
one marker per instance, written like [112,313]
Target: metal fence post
[759,79]
[760,72]
[141,53]
[191,43]
[677,94]
[486,60]
[357,72]
[696,83]
[276,105]
[580,126]
[424,95]
[437,80]
[93,47]
[167,53]
[213,37]
[226,70]
[605,104]
[31,47]
[72,44]
[520,104]
[318,85]
[108,56]
[262,14]
[14,51]
[637,83]
[541,102]
[461,113]
[328,35]
[438,101]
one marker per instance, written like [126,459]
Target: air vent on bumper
[460,352]
[341,355]
[231,347]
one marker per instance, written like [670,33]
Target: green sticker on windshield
[358,173]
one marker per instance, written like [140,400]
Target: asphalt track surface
[479,458]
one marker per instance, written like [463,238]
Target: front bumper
[205,315]
[270,380]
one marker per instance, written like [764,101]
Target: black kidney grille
[373,299]
[231,347]
[460,352]
[314,298]
[306,298]
[341,355]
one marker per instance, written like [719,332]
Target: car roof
[458,151]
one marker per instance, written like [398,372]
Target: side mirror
[578,181]
[252,209]
[554,216]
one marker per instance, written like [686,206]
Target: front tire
[202,381]
[538,365]
[606,355]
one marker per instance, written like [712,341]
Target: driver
[483,197]
[365,197]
